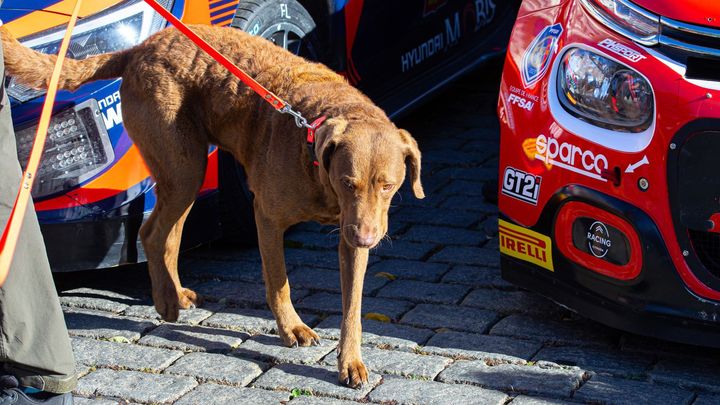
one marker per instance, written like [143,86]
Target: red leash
[11,234]
[275,101]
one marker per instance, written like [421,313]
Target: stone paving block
[332,304]
[315,400]
[444,235]
[93,401]
[122,355]
[272,349]
[135,386]
[470,203]
[213,394]
[702,375]
[470,173]
[473,256]
[665,349]
[313,240]
[477,276]
[507,302]
[224,253]
[236,292]
[399,363]
[219,368]
[329,280]
[608,390]
[322,381]
[453,157]
[707,399]
[571,332]
[413,392]
[99,300]
[489,225]
[469,187]
[102,325]
[481,347]
[403,249]
[312,258]
[388,335]
[191,316]
[410,270]
[536,380]
[450,317]
[526,400]
[252,321]
[193,338]
[236,270]
[420,291]
[598,360]
[437,216]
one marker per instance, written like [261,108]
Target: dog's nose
[365,240]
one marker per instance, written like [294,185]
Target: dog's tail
[34,69]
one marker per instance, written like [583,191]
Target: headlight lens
[117,28]
[603,92]
[626,18]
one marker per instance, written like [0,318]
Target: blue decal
[537,56]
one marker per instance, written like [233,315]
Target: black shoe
[11,394]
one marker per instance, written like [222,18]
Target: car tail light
[603,92]
[77,147]
[626,18]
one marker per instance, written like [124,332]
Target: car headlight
[115,29]
[603,92]
[626,18]
[77,147]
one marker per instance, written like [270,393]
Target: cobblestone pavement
[457,333]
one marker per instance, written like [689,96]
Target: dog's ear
[327,138]
[412,160]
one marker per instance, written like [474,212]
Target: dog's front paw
[300,335]
[189,299]
[352,372]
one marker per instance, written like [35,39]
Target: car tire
[286,23]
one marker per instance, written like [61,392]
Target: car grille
[694,192]
[695,46]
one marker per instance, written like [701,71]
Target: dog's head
[365,164]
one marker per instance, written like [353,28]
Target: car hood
[702,12]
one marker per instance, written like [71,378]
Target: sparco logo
[622,50]
[570,157]
[523,186]
[598,239]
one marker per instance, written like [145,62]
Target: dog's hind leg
[175,151]
[291,328]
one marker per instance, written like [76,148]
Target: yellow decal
[525,244]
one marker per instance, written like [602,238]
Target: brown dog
[177,100]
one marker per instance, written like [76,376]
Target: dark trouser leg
[34,344]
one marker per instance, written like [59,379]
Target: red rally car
[609,191]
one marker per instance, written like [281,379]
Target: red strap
[266,94]
[10,235]
[311,137]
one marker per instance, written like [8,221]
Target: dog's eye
[387,188]
[348,183]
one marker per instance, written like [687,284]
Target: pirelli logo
[525,244]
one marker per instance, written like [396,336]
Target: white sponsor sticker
[521,185]
[570,157]
[622,50]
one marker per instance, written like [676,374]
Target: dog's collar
[311,138]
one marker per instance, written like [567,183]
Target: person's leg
[34,344]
